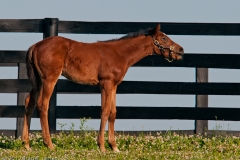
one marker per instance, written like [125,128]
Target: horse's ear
[155,30]
[158,27]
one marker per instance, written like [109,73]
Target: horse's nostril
[181,50]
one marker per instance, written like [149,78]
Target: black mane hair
[130,35]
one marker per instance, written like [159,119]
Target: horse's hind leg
[30,104]
[42,105]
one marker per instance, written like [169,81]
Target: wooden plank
[15,85]
[130,87]
[137,87]
[201,126]
[231,61]
[167,27]
[22,74]
[8,132]
[12,56]
[11,111]
[21,25]
[73,112]
[8,64]
[36,25]
[179,88]
[128,112]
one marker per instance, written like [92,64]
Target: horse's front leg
[106,101]
[42,105]
[111,120]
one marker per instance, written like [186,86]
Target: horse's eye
[164,39]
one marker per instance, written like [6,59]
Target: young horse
[101,63]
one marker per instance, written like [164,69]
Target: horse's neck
[135,49]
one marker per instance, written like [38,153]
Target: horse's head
[163,45]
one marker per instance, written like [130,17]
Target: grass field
[69,145]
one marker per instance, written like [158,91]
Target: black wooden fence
[201,88]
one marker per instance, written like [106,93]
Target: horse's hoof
[27,147]
[116,150]
[103,150]
[51,147]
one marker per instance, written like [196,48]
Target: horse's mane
[129,35]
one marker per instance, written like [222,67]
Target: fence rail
[201,88]
[130,87]
[130,112]
[80,27]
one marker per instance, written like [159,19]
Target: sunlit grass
[82,145]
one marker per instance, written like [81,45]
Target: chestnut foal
[101,63]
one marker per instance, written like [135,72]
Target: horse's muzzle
[181,51]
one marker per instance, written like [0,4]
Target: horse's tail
[31,70]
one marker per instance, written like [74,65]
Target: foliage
[82,145]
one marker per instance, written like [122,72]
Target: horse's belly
[82,79]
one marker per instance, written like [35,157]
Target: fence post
[22,74]
[201,100]
[50,28]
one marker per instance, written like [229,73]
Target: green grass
[160,146]
[69,145]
